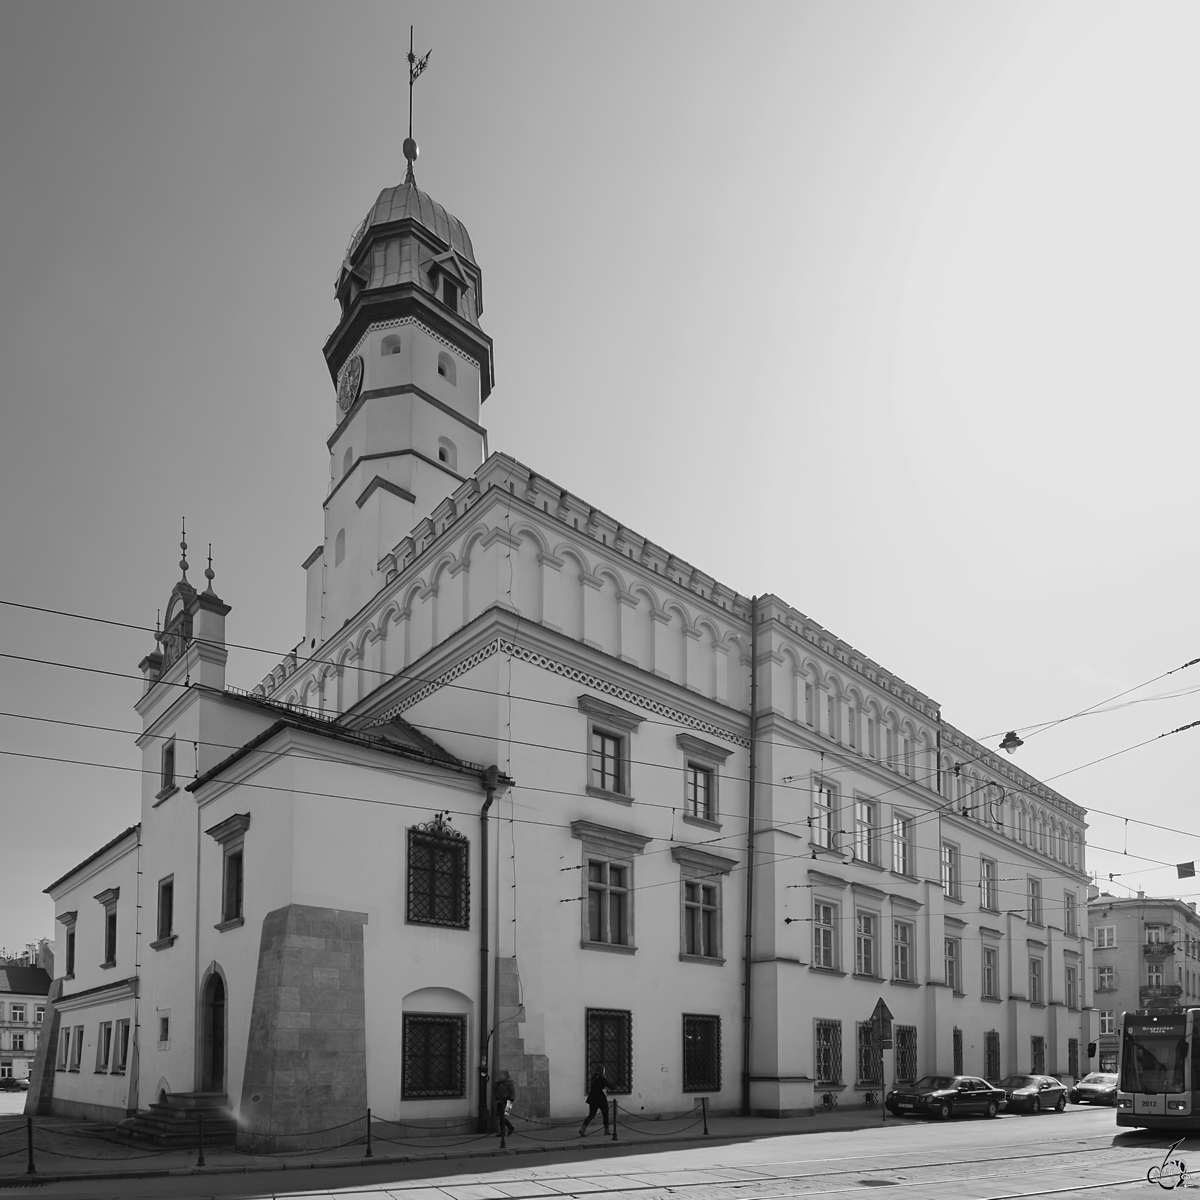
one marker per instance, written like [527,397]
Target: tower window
[447,453]
[446,366]
[390,344]
[339,547]
[450,294]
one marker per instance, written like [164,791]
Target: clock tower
[411,368]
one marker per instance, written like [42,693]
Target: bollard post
[704,1113]
[370,1153]
[200,1155]
[30,1169]
[614,1120]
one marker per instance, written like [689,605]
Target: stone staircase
[174,1121]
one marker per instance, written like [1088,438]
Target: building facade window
[991,1055]
[951,875]
[1106,937]
[71,953]
[439,875]
[1108,1020]
[434,1055]
[903,828]
[104,1046]
[77,1046]
[701,1053]
[608,768]
[902,951]
[230,835]
[610,1047]
[870,1056]
[824,818]
[828,1052]
[1035,901]
[108,898]
[39,1014]
[991,973]
[17,1015]
[1073,1057]
[1037,1055]
[957,1050]
[988,894]
[864,944]
[1071,976]
[1106,979]
[608,902]
[952,955]
[1070,914]
[906,1053]
[64,1048]
[865,833]
[1154,975]
[608,916]
[166,912]
[167,769]
[18,1040]
[1035,980]
[824,936]
[700,913]
[698,797]
[701,778]
[609,730]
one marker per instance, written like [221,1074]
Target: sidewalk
[66,1149]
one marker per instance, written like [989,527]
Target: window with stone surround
[1035,979]
[609,730]
[991,973]
[906,1053]
[76,1047]
[166,914]
[825,936]
[991,1055]
[701,1053]
[230,834]
[866,832]
[701,877]
[701,779]
[609,1043]
[988,892]
[108,898]
[823,824]
[903,828]
[438,875]
[827,1051]
[902,951]
[104,1046]
[607,892]
[434,1056]
[167,770]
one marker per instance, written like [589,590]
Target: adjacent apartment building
[23,991]
[1146,955]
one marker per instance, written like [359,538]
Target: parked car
[944,1096]
[1033,1093]
[1097,1088]
[14,1085]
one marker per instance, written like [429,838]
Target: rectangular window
[71,953]
[450,293]
[434,1055]
[610,1047]
[902,951]
[864,944]
[1070,914]
[988,894]
[952,954]
[1035,902]
[1035,980]
[906,1053]
[1073,1057]
[957,1050]
[864,831]
[76,1047]
[232,887]
[824,819]
[64,1047]
[164,1029]
[824,940]
[902,844]
[1108,1020]
[166,907]
[18,1013]
[1106,937]
[167,777]
[608,757]
[1106,978]
[1037,1055]
[828,1052]
[39,1014]
[699,792]
[1072,977]
[110,935]
[1154,933]
[991,1055]
[18,1040]
[608,902]
[438,875]
[701,1053]
[951,876]
[1154,975]
[121,1047]
[991,973]
[104,1046]
[870,1056]
[700,920]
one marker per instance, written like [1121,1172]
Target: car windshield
[935,1082]
[1018,1081]
[1097,1077]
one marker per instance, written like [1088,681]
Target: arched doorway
[212,1035]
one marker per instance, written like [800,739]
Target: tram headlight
[1124,1103]
[1178,1104]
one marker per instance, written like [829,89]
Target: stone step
[175,1121]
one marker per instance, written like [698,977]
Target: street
[1074,1154]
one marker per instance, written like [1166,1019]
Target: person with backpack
[504,1092]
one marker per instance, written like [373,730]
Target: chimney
[1141,895]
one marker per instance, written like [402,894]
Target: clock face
[349,383]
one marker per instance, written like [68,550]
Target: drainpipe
[489,779]
[750,855]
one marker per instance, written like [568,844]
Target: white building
[23,991]
[320,929]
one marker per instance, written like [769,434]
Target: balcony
[1160,997]
[1158,949]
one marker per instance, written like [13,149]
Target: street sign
[882,1019]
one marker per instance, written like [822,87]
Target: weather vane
[415,67]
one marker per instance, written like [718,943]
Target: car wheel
[1062,1103]
[942,1112]
[1036,1106]
[992,1109]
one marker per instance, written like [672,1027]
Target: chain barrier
[665,1133]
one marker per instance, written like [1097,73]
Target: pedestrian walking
[504,1092]
[597,1100]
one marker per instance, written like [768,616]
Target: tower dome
[406,200]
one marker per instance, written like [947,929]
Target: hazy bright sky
[886,307]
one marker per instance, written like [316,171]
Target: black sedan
[1097,1088]
[944,1096]
[1033,1093]
[9,1084]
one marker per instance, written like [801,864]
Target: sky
[886,307]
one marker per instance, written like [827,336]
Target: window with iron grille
[906,1053]
[701,1053]
[1037,1054]
[870,1056]
[958,1051]
[610,1047]
[991,1055]
[1073,1057]
[438,880]
[829,1051]
[434,1055]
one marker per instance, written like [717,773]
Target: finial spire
[209,573]
[183,562]
[415,67]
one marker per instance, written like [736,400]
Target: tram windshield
[1154,1057]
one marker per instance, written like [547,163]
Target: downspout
[489,780]
[747,976]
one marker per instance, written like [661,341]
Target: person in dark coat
[504,1092]
[597,1100]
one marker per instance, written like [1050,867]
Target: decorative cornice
[619,842]
[610,714]
[690,856]
[700,749]
[231,828]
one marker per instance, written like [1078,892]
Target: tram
[1158,1081]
